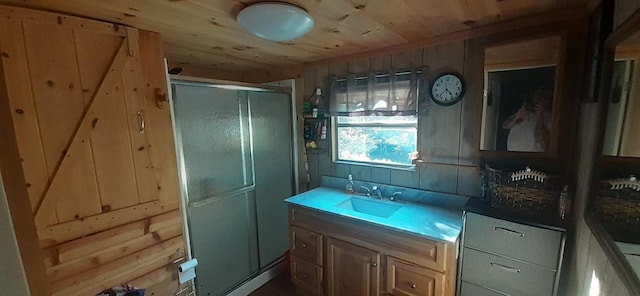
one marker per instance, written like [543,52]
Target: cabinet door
[408,279]
[352,270]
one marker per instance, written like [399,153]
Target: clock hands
[446,90]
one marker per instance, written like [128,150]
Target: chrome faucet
[377,192]
[366,191]
[395,195]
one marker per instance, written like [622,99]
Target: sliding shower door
[216,150]
[235,149]
[271,121]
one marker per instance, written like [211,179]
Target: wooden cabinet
[306,245]
[352,270]
[306,260]
[408,279]
[334,255]
[306,275]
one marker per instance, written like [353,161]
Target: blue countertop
[431,222]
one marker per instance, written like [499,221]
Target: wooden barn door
[96,147]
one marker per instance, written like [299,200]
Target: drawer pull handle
[413,286]
[304,276]
[504,267]
[507,230]
[304,245]
[374,265]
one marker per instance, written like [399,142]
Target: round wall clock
[447,89]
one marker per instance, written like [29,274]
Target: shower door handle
[141,122]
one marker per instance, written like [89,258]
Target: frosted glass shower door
[271,121]
[214,136]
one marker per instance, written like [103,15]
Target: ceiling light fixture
[275,21]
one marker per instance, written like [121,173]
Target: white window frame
[334,142]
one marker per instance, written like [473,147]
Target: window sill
[410,168]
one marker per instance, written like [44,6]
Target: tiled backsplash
[445,200]
[451,179]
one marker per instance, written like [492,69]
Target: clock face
[447,89]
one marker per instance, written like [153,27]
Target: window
[388,140]
[375,116]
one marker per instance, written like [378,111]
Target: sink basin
[369,206]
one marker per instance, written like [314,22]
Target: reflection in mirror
[623,115]
[519,92]
[617,194]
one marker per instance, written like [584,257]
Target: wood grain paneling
[111,146]
[439,126]
[158,121]
[126,241]
[206,34]
[133,84]
[472,102]
[76,156]
[23,110]
[59,104]
[13,178]
[449,136]
[102,194]
[120,270]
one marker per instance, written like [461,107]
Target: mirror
[622,128]
[615,201]
[520,95]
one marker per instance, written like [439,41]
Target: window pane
[385,145]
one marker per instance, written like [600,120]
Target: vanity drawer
[467,289]
[506,275]
[408,279]
[306,244]
[523,242]
[306,275]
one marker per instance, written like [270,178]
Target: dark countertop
[543,220]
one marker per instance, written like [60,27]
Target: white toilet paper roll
[187,271]
[188,265]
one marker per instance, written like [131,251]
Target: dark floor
[279,286]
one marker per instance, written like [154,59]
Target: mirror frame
[566,94]
[618,261]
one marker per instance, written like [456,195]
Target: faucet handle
[394,195]
[368,191]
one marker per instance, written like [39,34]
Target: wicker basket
[618,209]
[529,195]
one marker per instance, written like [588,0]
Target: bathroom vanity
[345,244]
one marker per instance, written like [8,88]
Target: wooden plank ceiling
[204,33]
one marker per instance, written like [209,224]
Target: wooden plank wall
[102,194]
[449,136]
[451,164]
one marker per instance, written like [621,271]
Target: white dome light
[275,21]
